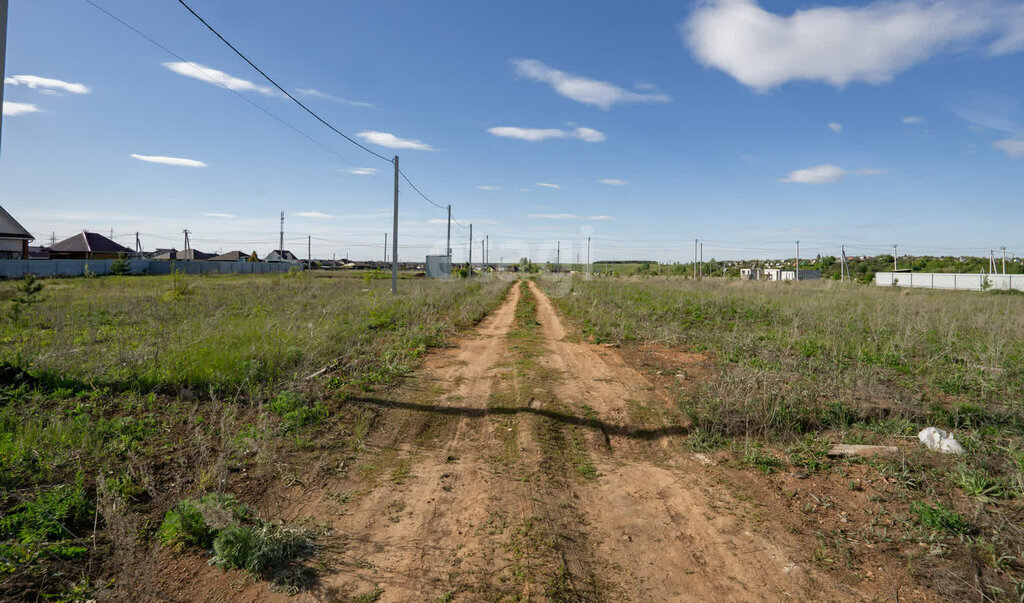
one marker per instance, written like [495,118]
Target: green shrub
[765,462]
[939,518]
[52,515]
[295,411]
[120,266]
[184,525]
[258,549]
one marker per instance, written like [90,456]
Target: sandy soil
[489,508]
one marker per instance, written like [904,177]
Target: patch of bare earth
[520,464]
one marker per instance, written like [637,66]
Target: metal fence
[951,281]
[19,268]
[438,266]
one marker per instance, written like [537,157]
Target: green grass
[124,390]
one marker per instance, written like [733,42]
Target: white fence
[945,280]
[19,268]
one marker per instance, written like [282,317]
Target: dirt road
[523,463]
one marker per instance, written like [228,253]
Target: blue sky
[746,125]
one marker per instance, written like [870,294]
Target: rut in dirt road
[523,464]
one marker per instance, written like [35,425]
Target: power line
[428,200]
[278,86]
[213,79]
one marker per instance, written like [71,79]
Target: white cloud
[821,174]
[313,214]
[835,126]
[314,93]
[216,215]
[389,140]
[613,182]
[548,185]
[216,77]
[538,134]
[1013,147]
[583,89]
[46,84]
[912,120]
[175,161]
[486,187]
[569,217]
[12,108]
[361,171]
[842,44]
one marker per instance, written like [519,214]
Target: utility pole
[280,247]
[394,237]
[1003,248]
[843,270]
[588,257]
[991,261]
[309,251]
[3,56]
[470,250]
[483,256]
[695,258]
[187,246]
[798,261]
[487,255]
[895,260]
[138,244]
[558,257]
[448,246]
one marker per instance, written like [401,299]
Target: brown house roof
[89,242]
[10,229]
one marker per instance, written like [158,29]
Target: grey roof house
[88,246]
[13,238]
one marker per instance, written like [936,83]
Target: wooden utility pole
[394,237]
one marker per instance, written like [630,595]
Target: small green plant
[120,266]
[296,411]
[765,462]
[939,518]
[980,484]
[88,273]
[184,525]
[258,549]
[52,515]
[27,296]
[180,287]
[701,440]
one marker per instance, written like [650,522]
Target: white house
[13,238]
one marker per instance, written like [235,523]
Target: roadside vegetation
[794,368]
[133,411]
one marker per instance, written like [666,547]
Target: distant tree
[120,266]
[27,296]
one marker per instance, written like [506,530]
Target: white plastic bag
[937,439]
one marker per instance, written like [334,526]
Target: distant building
[778,274]
[88,246]
[13,238]
[753,274]
[185,254]
[280,255]
[231,256]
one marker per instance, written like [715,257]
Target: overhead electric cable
[279,87]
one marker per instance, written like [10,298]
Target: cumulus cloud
[613,182]
[12,108]
[36,82]
[389,140]
[360,171]
[175,161]
[548,185]
[842,44]
[216,77]
[538,134]
[314,93]
[835,126]
[912,120]
[216,215]
[820,174]
[1013,147]
[487,187]
[569,217]
[585,90]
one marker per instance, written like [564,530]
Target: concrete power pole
[895,260]
[487,254]
[483,256]
[991,261]
[844,271]
[470,250]
[394,237]
[3,56]
[280,247]
[1003,248]
[695,258]
[588,257]
[798,261]
[558,256]
[448,247]
[309,251]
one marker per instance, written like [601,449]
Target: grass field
[797,367]
[121,396]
